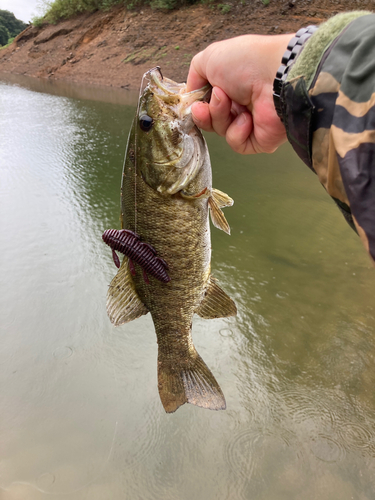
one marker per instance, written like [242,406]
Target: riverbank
[114,48]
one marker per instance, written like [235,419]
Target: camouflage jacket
[329,114]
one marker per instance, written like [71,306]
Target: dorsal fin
[216,303]
[123,302]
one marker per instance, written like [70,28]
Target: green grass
[164,4]
[141,55]
[55,10]
[37,21]
[224,7]
[10,40]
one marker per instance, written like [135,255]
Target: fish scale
[172,229]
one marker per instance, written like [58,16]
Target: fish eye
[146,122]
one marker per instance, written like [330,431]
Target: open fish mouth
[169,90]
[165,85]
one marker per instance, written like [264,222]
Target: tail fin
[188,382]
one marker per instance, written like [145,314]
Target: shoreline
[74,90]
[115,48]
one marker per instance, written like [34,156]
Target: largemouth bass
[166,196]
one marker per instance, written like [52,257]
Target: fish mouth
[173,92]
[164,85]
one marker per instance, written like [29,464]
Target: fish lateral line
[142,253]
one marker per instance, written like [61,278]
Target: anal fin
[216,303]
[123,302]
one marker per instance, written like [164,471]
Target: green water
[80,413]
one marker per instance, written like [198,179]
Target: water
[80,411]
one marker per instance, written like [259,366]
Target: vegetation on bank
[10,27]
[54,10]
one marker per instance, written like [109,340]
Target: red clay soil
[116,47]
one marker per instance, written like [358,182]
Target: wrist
[278,46]
[289,56]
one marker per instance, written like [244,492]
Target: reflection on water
[115,95]
[81,416]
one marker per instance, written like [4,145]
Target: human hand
[241,71]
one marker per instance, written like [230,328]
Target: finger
[237,109]
[197,76]
[220,110]
[239,133]
[201,116]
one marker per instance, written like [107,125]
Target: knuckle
[241,147]
[221,126]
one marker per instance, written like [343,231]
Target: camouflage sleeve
[329,114]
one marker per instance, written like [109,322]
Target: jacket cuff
[307,63]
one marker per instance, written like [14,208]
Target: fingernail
[216,100]
[241,119]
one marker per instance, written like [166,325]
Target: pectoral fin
[216,200]
[123,303]
[216,303]
[217,216]
[222,199]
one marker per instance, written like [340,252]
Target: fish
[166,198]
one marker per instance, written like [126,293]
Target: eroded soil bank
[116,47]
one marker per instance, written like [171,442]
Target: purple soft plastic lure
[129,243]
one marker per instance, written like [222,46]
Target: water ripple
[327,449]
[147,437]
[356,436]
[242,452]
[63,352]
[302,406]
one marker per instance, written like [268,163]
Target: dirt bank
[116,47]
